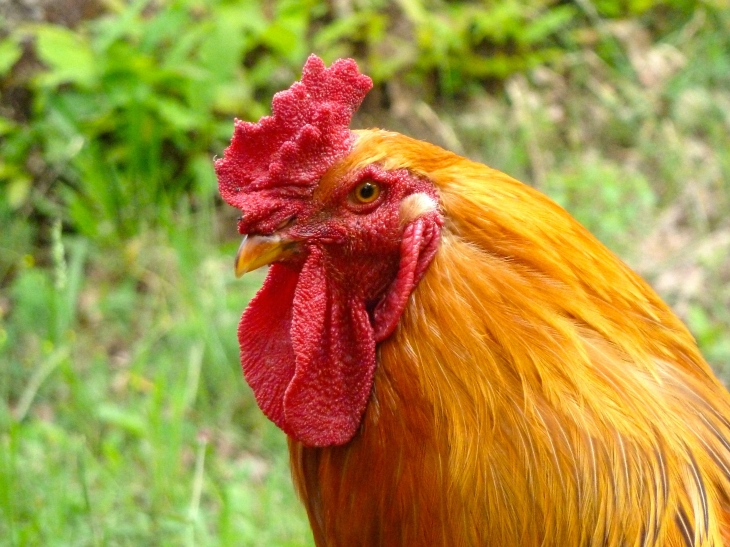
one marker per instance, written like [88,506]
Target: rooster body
[525,388]
[536,391]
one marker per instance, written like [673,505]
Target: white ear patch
[416,205]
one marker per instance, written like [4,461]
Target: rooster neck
[378,477]
[535,393]
[543,449]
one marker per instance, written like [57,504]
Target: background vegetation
[124,419]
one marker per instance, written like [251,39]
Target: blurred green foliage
[126,111]
[130,422]
[625,198]
[124,418]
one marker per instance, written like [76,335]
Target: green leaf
[67,55]
[547,23]
[280,38]
[121,417]
[6,125]
[176,114]
[18,191]
[10,52]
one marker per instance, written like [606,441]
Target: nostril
[286,223]
[270,224]
[241,225]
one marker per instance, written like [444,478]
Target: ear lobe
[419,244]
[415,206]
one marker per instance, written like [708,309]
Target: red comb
[306,134]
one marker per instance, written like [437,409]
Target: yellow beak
[258,250]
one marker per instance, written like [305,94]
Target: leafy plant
[127,110]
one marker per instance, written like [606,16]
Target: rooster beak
[260,250]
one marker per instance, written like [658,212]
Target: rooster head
[347,238]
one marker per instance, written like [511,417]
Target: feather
[535,391]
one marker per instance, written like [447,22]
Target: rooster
[455,360]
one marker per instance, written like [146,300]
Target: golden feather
[536,391]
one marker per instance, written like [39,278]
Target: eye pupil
[367,190]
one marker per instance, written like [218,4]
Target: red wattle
[335,358]
[419,244]
[308,353]
[308,344]
[267,355]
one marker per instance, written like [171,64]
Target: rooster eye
[366,192]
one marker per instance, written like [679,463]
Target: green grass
[125,417]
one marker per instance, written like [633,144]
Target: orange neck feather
[536,391]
